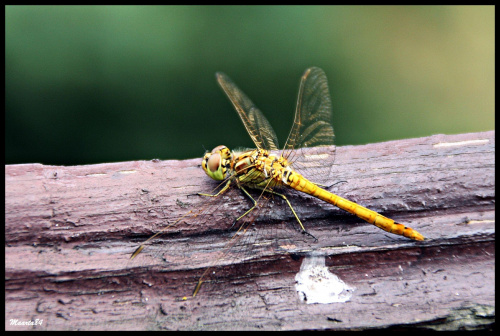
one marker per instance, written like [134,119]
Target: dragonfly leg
[223,190]
[295,214]
[249,210]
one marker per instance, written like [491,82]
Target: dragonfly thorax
[261,169]
[217,163]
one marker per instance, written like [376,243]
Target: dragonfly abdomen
[300,183]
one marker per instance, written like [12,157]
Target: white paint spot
[316,284]
[96,175]
[462,143]
[127,171]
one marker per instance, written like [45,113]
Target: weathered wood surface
[70,231]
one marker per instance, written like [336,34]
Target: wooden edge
[71,230]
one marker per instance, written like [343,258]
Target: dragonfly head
[217,163]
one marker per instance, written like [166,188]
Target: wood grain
[70,231]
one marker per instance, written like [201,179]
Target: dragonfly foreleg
[223,190]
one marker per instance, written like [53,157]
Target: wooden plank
[70,231]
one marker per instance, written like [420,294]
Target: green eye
[212,165]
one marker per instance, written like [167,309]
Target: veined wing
[312,128]
[256,124]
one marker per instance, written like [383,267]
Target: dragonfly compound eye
[212,165]
[217,162]
[213,162]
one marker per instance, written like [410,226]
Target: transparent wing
[217,253]
[263,233]
[256,124]
[310,144]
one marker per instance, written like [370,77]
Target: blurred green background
[89,84]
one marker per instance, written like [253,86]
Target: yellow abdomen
[298,182]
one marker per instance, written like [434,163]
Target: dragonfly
[267,169]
